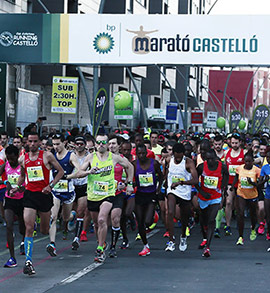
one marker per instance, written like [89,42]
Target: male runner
[63,191]
[181,175]
[101,187]
[155,147]
[35,167]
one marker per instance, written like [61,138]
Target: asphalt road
[229,269]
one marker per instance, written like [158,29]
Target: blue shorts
[127,197]
[2,194]
[206,203]
[66,198]
[267,196]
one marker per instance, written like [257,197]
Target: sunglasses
[57,135]
[80,143]
[101,141]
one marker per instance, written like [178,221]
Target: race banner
[235,118]
[100,102]
[260,116]
[123,105]
[64,94]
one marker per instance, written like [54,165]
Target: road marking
[94,265]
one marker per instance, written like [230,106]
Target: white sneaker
[183,243]
[170,246]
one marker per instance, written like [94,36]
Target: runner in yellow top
[101,187]
[247,193]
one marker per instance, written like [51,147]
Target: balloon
[121,100]
[221,122]
[242,124]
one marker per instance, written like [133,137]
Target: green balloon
[121,100]
[221,122]
[242,124]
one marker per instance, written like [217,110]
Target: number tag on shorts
[101,188]
[177,178]
[146,180]
[232,170]
[210,182]
[61,186]
[13,180]
[244,183]
[35,173]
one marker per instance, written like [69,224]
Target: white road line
[93,266]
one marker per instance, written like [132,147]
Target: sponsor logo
[103,43]
[21,39]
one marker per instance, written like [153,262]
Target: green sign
[3,72]
[123,106]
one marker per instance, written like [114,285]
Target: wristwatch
[51,185]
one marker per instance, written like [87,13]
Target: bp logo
[103,43]
[6,39]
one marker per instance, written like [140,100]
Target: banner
[211,119]
[235,118]
[64,94]
[196,117]
[134,39]
[260,116]
[100,102]
[171,112]
[123,105]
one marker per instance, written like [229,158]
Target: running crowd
[124,178]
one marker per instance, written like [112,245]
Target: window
[157,103]
[11,1]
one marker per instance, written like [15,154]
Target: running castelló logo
[103,43]
[141,42]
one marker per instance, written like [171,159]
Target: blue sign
[171,112]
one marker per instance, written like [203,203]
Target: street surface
[229,269]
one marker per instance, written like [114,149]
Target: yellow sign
[64,94]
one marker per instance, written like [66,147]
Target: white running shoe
[183,243]
[170,246]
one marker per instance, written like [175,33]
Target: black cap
[80,138]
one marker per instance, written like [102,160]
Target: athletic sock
[100,248]
[115,235]
[219,218]
[146,246]
[28,247]
[79,226]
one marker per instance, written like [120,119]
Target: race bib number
[244,183]
[210,182]
[146,180]
[35,173]
[177,178]
[61,186]
[101,188]
[13,180]
[232,170]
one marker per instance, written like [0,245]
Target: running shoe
[91,230]
[187,232]
[72,224]
[145,252]
[267,236]
[228,231]
[51,249]
[253,235]
[7,245]
[83,237]
[138,237]
[203,244]
[22,252]
[217,233]
[170,246]
[11,263]
[28,268]
[261,228]
[75,243]
[268,249]
[99,256]
[206,252]
[166,234]
[183,244]
[240,241]
[105,246]
[112,253]
[65,235]
[156,217]
[124,244]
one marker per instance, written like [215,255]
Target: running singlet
[64,185]
[178,172]
[232,163]
[146,180]
[150,154]
[38,175]
[101,184]
[3,177]
[12,177]
[211,182]
[118,172]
